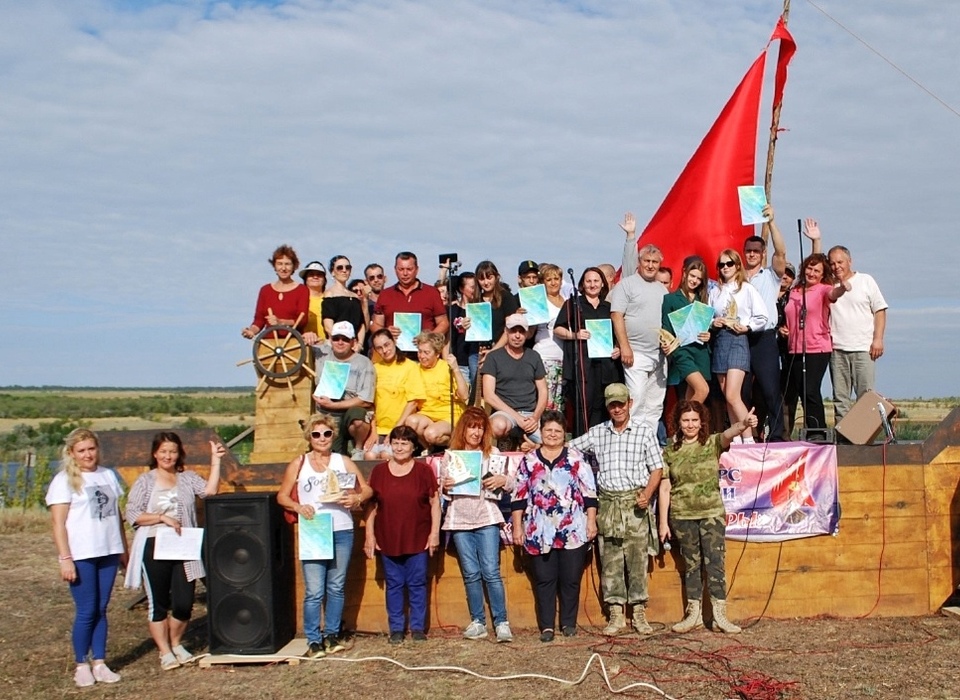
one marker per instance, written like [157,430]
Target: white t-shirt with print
[93,521]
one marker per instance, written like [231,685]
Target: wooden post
[772,143]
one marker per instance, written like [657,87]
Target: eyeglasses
[340,338]
[343,267]
[728,263]
[375,277]
[317,434]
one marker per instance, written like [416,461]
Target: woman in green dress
[689,363]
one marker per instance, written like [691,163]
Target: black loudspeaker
[250,574]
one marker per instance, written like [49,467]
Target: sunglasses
[343,267]
[728,263]
[317,434]
[375,277]
[341,338]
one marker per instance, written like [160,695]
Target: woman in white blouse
[738,309]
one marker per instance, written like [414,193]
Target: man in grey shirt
[635,308]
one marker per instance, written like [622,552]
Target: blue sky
[154,153]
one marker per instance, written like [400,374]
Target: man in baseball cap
[631,465]
[349,408]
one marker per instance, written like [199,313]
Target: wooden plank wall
[897,554]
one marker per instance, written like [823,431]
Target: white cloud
[153,157]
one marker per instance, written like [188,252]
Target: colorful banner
[778,492]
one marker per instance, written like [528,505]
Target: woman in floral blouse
[554,517]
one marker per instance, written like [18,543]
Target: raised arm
[779,260]
[630,259]
[812,231]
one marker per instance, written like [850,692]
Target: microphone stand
[803,334]
[579,397]
[451,273]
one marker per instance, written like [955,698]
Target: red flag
[788,47]
[701,214]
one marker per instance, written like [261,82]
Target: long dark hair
[486,268]
[687,407]
[159,439]
[604,287]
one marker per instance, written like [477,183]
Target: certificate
[463,466]
[533,300]
[183,547]
[600,342]
[752,201]
[690,321]
[315,537]
[409,325]
[333,380]
[481,322]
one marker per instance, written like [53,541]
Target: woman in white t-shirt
[324,483]
[546,343]
[91,546]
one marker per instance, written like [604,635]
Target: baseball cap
[344,328]
[528,266]
[616,393]
[514,320]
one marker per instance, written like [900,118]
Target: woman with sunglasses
[324,580]
[339,303]
[738,309]
[404,526]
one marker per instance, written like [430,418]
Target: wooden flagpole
[772,143]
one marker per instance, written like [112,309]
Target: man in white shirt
[858,320]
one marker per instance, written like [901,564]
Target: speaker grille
[241,621]
[241,557]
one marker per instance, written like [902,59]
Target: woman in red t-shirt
[404,525]
[285,302]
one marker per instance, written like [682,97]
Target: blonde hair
[68,463]
[320,419]
[434,340]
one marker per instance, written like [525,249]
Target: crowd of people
[602,435]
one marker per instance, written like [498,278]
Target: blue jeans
[91,595]
[408,572]
[326,578]
[479,554]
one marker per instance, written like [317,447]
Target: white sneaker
[83,676]
[503,633]
[475,630]
[102,674]
[182,654]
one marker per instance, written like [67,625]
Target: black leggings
[813,411]
[166,585]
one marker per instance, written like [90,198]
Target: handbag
[288,515]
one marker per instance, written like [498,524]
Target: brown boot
[693,618]
[720,621]
[640,623]
[617,621]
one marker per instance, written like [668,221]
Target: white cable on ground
[474,674]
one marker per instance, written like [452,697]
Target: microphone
[570,271]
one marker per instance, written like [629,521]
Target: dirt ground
[824,658]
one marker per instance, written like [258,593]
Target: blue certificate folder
[600,342]
[690,321]
[481,322]
[464,467]
[409,325]
[316,537]
[333,380]
[534,301]
[752,201]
